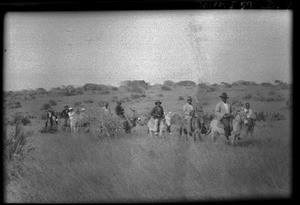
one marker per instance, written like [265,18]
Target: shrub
[114,88]
[44,116]
[15,142]
[101,103]
[266,84]
[261,116]
[165,88]
[180,98]
[160,95]
[134,96]
[211,89]
[248,96]
[76,104]
[19,118]
[114,99]
[236,103]
[168,83]
[88,101]
[13,104]
[277,116]
[272,92]
[52,102]
[186,83]
[105,92]
[46,106]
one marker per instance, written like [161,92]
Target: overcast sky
[51,49]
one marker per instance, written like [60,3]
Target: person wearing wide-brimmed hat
[49,118]
[64,114]
[223,113]
[158,114]
[189,112]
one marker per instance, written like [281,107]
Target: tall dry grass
[132,168]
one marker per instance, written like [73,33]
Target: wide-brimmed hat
[82,109]
[106,103]
[158,101]
[224,95]
[169,113]
[189,98]
[70,108]
[66,106]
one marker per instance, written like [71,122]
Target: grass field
[64,167]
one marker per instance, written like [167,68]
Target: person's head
[158,103]
[82,110]
[189,100]
[247,105]
[106,104]
[119,102]
[66,107]
[224,97]
[71,109]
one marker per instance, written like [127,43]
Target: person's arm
[218,111]
[152,112]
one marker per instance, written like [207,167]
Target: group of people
[223,112]
[70,117]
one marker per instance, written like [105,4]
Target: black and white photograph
[147,105]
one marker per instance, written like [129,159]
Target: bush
[46,106]
[180,98]
[76,104]
[105,92]
[15,142]
[19,118]
[237,103]
[114,99]
[160,95]
[211,89]
[272,92]
[248,96]
[168,83]
[52,102]
[134,96]
[44,116]
[13,104]
[261,116]
[88,101]
[165,88]
[186,83]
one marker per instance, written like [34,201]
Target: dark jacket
[157,112]
[64,114]
[119,110]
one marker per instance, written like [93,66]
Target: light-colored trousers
[157,122]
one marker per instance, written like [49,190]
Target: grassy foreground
[136,167]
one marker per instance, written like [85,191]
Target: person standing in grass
[223,112]
[158,114]
[64,114]
[120,113]
[189,113]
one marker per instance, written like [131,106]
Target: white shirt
[226,107]
[248,112]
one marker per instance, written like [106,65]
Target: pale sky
[51,49]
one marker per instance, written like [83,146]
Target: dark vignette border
[121,5]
